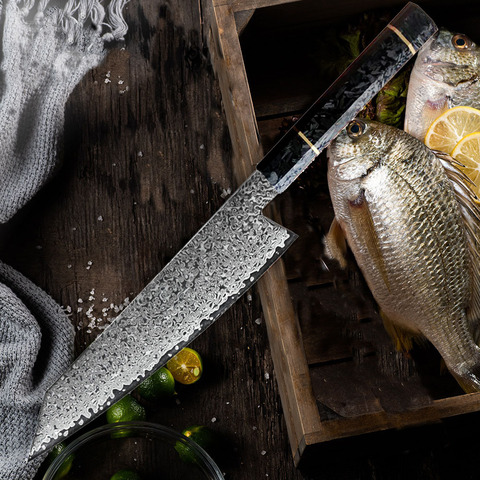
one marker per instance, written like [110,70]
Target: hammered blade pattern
[223,260]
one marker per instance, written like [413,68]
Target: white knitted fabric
[36,341]
[45,52]
[46,48]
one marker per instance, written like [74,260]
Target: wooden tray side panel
[227,60]
[291,368]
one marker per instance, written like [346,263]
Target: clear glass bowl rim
[143,427]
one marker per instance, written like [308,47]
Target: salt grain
[100,218]
[213,419]
[263,452]
[258,321]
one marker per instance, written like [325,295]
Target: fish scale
[400,216]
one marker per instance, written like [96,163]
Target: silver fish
[445,75]
[413,226]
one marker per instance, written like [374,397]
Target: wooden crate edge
[290,363]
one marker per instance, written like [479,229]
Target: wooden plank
[300,409]
[443,408]
[241,5]
[226,56]
[242,18]
[289,359]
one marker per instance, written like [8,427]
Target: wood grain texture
[143,168]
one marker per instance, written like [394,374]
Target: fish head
[449,58]
[445,75]
[358,148]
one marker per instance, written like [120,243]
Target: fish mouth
[336,160]
[436,71]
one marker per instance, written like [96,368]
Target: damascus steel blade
[221,262]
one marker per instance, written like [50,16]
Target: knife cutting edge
[226,256]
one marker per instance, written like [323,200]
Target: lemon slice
[467,152]
[448,129]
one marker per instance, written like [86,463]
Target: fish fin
[336,244]
[361,215]
[402,338]
[468,378]
[469,205]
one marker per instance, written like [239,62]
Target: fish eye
[461,42]
[355,129]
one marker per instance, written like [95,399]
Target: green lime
[126,410]
[63,470]
[158,385]
[125,475]
[202,436]
[186,366]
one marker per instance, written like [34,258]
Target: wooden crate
[336,368]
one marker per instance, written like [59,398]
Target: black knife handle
[364,78]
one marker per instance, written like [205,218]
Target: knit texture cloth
[47,47]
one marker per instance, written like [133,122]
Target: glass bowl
[150,450]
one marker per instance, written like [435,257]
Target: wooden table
[147,160]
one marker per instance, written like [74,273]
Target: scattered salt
[258,321]
[213,419]
[263,452]
[100,218]
[267,376]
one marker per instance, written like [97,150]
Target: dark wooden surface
[143,168]
[146,162]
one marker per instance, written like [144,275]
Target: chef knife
[228,254]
